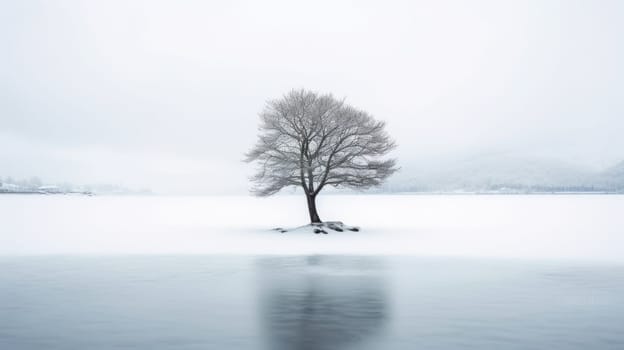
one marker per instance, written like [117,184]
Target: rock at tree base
[322,227]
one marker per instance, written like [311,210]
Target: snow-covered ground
[583,227]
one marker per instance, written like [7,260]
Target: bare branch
[313,140]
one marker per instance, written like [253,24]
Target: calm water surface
[307,302]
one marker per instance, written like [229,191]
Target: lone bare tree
[312,140]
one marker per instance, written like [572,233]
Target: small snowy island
[321,227]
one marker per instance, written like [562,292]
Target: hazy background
[165,94]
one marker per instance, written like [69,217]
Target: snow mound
[322,227]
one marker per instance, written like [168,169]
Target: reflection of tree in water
[321,302]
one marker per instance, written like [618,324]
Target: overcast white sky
[165,94]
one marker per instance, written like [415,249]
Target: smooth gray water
[307,302]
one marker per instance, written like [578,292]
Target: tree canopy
[311,140]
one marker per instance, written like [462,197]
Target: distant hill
[613,177]
[495,174]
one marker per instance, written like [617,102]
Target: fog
[165,94]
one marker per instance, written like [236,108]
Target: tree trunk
[314,217]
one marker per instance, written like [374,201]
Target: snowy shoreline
[333,194]
[559,227]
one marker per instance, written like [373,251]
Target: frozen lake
[307,302]
[569,227]
[431,272]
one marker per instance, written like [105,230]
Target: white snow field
[577,227]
